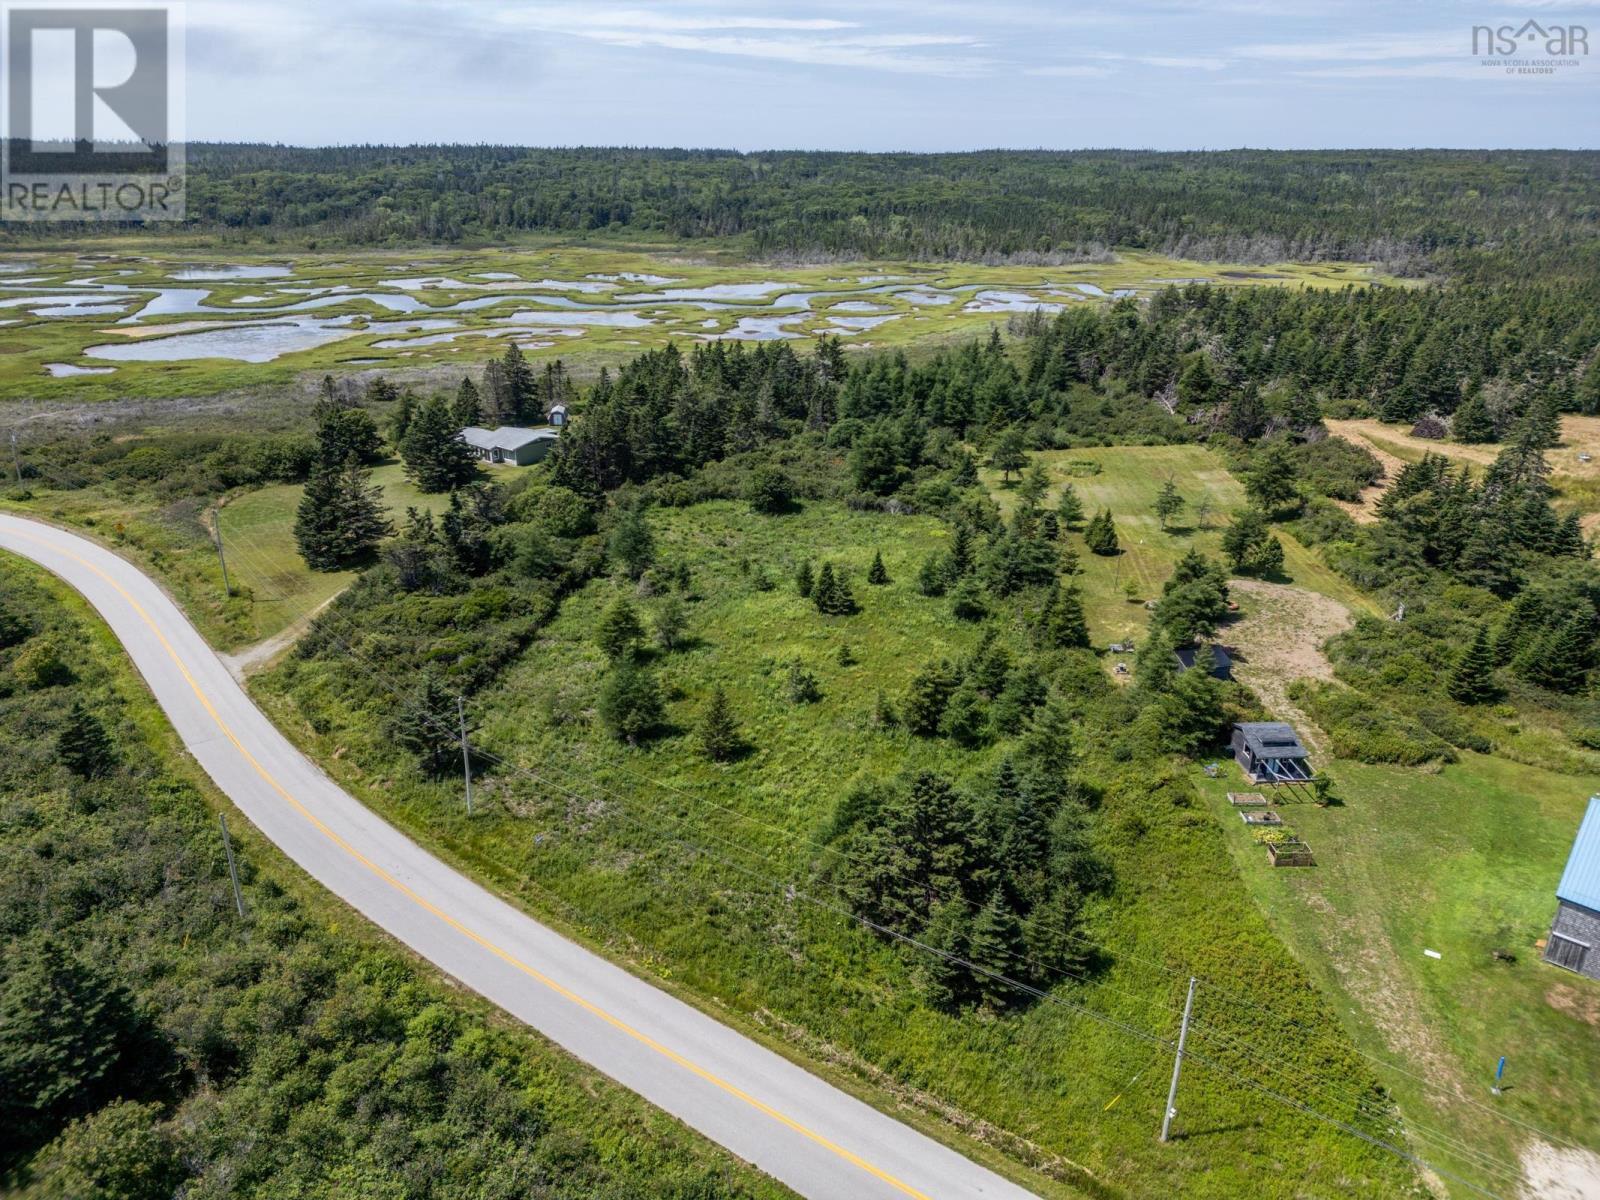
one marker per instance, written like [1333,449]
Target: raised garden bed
[1290,854]
[1247,799]
[1261,818]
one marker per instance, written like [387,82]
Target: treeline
[1471,210]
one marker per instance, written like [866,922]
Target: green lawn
[258,532]
[1129,478]
[1463,862]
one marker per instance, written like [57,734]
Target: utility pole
[216,533]
[1177,1066]
[233,870]
[16,463]
[466,754]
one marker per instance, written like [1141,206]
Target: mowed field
[1126,484]
[1577,482]
[1462,862]
[258,533]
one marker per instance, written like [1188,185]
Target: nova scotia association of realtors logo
[1531,48]
[91,111]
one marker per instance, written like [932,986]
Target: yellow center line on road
[506,956]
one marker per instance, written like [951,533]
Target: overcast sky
[881,74]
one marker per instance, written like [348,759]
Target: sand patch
[1559,1172]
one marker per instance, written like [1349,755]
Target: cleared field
[1463,862]
[1127,482]
[258,532]
[1577,482]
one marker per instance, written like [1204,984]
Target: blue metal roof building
[1575,935]
[1580,882]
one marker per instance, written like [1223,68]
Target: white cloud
[1071,72]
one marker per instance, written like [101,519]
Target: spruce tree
[521,386]
[805,580]
[1034,485]
[1061,624]
[340,518]
[995,945]
[878,575]
[1472,423]
[963,553]
[1101,535]
[436,458]
[1069,508]
[933,577]
[928,697]
[424,724]
[1010,454]
[719,732]
[630,702]
[1472,679]
[83,745]
[632,544]
[619,630]
[966,716]
[468,407]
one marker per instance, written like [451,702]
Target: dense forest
[1471,212]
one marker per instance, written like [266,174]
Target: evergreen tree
[1033,487]
[400,419]
[933,577]
[878,574]
[521,386]
[720,739]
[619,631]
[1048,744]
[468,407]
[995,945]
[1101,535]
[1062,624]
[436,458]
[1271,481]
[965,474]
[1199,386]
[1472,679]
[928,697]
[672,619]
[966,716]
[1168,503]
[425,725]
[345,432]
[967,601]
[630,702]
[1069,507]
[340,517]
[884,715]
[946,981]
[963,553]
[1010,454]
[805,580]
[832,594]
[1249,545]
[83,745]
[631,543]
[1472,423]
[801,684]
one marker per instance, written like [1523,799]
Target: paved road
[814,1138]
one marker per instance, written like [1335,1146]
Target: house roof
[1272,739]
[1580,882]
[1223,668]
[509,438]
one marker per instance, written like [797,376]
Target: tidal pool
[197,274]
[994,301]
[242,343]
[65,370]
[616,318]
[713,291]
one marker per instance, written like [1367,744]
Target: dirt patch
[1585,1006]
[1279,639]
[1580,437]
[1365,510]
[1559,1172]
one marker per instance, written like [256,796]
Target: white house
[511,444]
